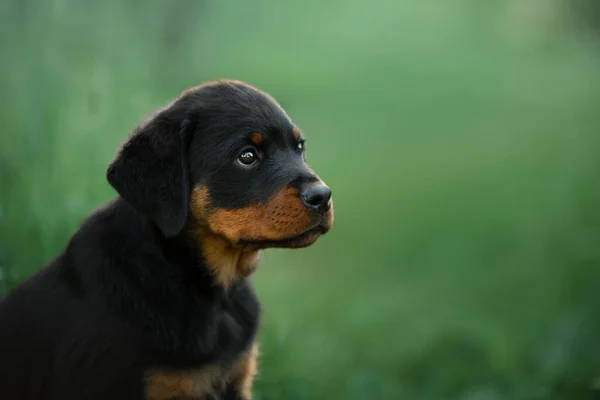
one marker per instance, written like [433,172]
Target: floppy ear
[150,171]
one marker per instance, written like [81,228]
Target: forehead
[233,110]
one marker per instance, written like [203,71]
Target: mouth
[295,242]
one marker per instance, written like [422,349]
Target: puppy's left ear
[150,171]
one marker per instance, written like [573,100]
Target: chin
[299,241]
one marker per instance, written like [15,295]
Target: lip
[305,239]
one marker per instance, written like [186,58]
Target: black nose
[316,197]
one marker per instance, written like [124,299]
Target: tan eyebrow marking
[256,138]
[296,133]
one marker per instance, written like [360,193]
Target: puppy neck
[226,262]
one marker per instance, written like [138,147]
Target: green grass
[461,147]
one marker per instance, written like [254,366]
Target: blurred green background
[461,140]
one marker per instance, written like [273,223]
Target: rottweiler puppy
[150,298]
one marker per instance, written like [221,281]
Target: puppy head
[224,159]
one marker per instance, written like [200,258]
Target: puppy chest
[197,383]
[208,382]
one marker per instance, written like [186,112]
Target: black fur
[151,171]
[130,291]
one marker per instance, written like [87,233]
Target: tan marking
[256,138]
[206,381]
[165,385]
[219,231]
[282,217]
[227,261]
[296,133]
[244,372]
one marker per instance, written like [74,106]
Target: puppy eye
[248,157]
[300,146]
